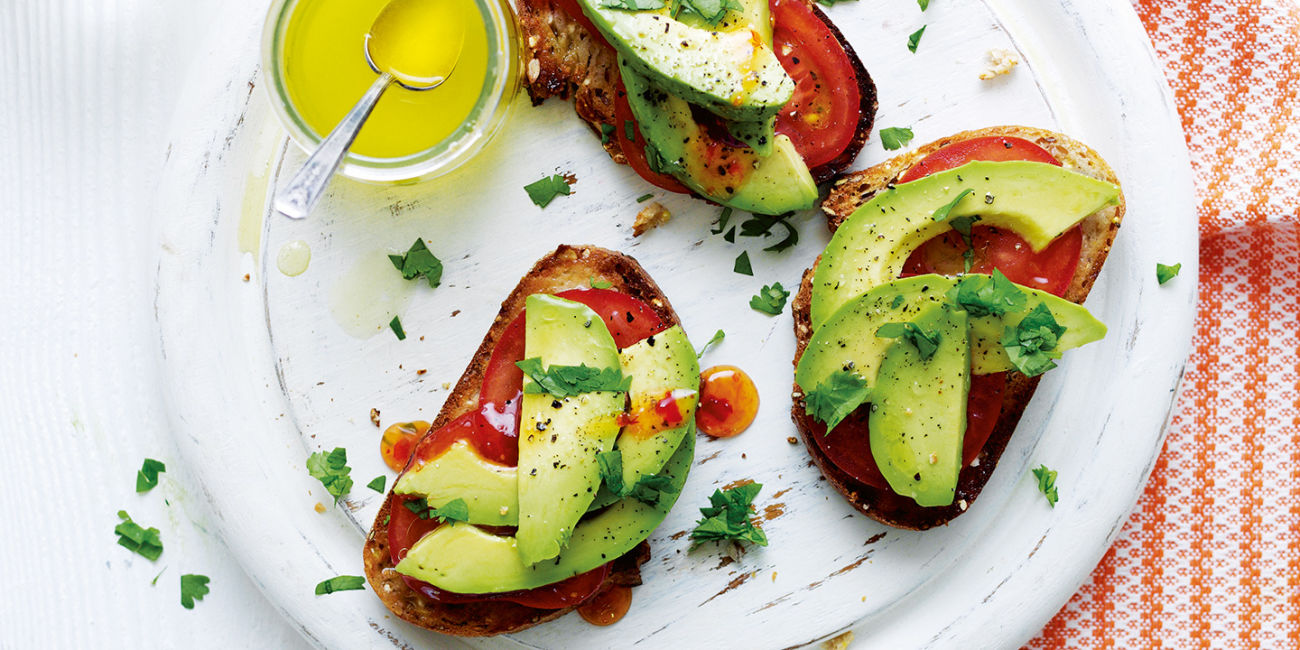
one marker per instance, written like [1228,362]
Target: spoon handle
[299,196]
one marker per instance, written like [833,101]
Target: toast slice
[568,267]
[1099,230]
[565,58]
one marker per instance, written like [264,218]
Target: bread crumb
[247,277]
[421,371]
[792,440]
[1000,62]
[840,642]
[650,217]
[374,417]
[320,507]
[446,385]
[534,69]
[963,505]
[774,576]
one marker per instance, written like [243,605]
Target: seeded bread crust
[564,59]
[1099,230]
[568,267]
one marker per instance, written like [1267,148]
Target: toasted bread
[564,58]
[568,267]
[1099,230]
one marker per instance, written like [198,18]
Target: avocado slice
[660,365]
[465,559]
[918,410]
[774,184]
[734,74]
[559,436]
[1037,201]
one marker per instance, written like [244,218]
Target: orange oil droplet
[728,402]
[607,607]
[399,441]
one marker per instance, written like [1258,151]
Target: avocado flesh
[918,410]
[774,184]
[559,437]
[987,355]
[465,559]
[733,74]
[660,365]
[1037,201]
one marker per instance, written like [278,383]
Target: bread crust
[568,267]
[856,188]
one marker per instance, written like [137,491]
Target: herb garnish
[895,137]
[962,226]
[925,342]
[832,3]
[193,587]
[377,483]
[1165,273]
[145,542]
[332,471]
[723,220]
[728,517]
[835,397]
[544,190]
[396,326]
[982,295]
[418,261]
[761,225]
[454,510]
[649,489]
[770,299]
[711,11]
[147,478]
[717,338]
[632,5]
[599,284]
[606,130]
[645,197]
[943,212]
[742,264]
[914,39]
[565,381]
[1046,483]
[924,4]
[1031,345]
[340,583]
[611,470]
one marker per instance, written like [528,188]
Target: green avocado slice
[661,365]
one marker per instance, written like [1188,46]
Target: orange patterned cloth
[1210,558]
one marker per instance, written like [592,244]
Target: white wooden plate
[261,373]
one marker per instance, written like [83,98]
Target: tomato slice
[822,116]
[995,148]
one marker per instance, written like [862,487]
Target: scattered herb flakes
[544,190]
[145,542]
[454,510]
[377,483]
[1046,483]
[193,587]
[645,197]
[1165,273]
[983,295]
[761,225]
[147,478]
[943,212]
[599,284]
[914,39]
[728,517]
[419,261]
[629,130]
[154,582]
[770,299]
[832,3]
[1031,344]
[742,265]
[895,137]
[650,489]
[835,398]
[962,226]
[340,583]
[730,237]
[332,471]
[717,338]
[633,5]
[723,220]
[611,470]
[606,131]
[924,4]
[925,342]
[566,381]
[712,11]
[898,300]
[396,326]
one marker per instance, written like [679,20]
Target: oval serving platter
[263,368]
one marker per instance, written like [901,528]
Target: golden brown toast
[1099,230]
[568,267]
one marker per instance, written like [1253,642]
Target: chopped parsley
[983,295]
[1031,344]
[565,381]
[943,212]
[649,489]
[611,470]
[914,39]
[925,342]
[193,587]
[723,220]
[544,190]
[606,130]
[396,326]
[645,197]
[761,225]
[340,583]
[895,137]
[730,237]
[332,471]
[1165,273]
[717,338]
[454,510]
[377,483]
[154,582]
[711,11]
[1046,483]
[633,5]
[147,478]
[835,398]
[599,284]
[660,165]
[962,226]
[742,264]
[770,299]
[832,3]
[924,4]
[728,517]
[629,127]
[145,542]
[418,261]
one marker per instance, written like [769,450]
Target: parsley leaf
[418,261]
[1031,344]
[543,191]
[629,130]
[454,510]
[565,381]
[717,338]
[340,583]
[332,471]
[982,295]
[760,224]
[914,39]
[943,212]
[649,489]
[835,398]
[730,237]
[832,3]
[645,197]
[895,137]
[144,542]
[611,470]
[770,299]
[925,4]
[742,264]
[1046,483]
[728,517]
[962,226]
[723,220]
[711,11]
[660,165]
[377,483]
[606,130]
[193,587]
[396,326]
[147,478]
[632,5]
[599,284]
[925,342]
[1166,273]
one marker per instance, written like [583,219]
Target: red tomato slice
[822,116]
[997,148]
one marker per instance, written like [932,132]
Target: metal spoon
[297,198]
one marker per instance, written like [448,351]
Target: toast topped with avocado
[748,104]
[908,390]
[560,449]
